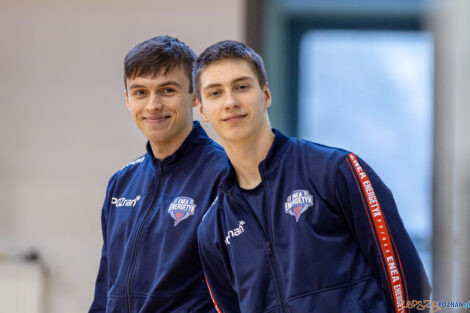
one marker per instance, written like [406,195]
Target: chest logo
[125,202]
[235,232]
[298,202]
[181,208]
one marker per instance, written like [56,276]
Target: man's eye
[140,92]
[213,94]
[243,87]
[167,91]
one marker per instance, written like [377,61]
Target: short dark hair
[228,49]
[156,55]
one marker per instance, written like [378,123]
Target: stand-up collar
[275,152]
[266,166]
[196,139]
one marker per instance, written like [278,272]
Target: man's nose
[154,102]
[231,100]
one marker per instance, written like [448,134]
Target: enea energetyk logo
[298,202]
[181,208]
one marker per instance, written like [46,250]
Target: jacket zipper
[269,251]
[270,248]
[276,275]
[131,272]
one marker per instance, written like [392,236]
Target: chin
[156,137]
[233,136]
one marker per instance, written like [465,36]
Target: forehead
[175,74]
[225,71]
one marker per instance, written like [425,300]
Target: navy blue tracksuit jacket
[150,262]
[333,240]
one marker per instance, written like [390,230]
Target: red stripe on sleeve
[401,266]
[212,297]
[382,233]
[371,226]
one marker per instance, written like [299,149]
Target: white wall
[64,128]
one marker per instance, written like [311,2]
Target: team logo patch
[298,202]
[181,208]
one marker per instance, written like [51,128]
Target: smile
[233,118]
[158,118]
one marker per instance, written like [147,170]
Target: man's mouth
[157,118]
[235,117]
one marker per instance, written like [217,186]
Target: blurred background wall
[64,129]
[451,192]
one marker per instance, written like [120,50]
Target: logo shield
[181,208]
[298,202]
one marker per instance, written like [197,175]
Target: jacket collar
[196,139]
[267,166]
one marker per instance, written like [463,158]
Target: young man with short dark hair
[297,226]
[154,204]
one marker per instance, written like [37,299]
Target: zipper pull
[268,246]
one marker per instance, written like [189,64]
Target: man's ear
[128,106]
[267,95]
[201,111]
[194,104]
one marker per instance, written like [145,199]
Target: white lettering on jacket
[125,202]
[235,232]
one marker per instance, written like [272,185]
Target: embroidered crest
[181,208]
[298,202]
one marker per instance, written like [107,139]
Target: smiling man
[154,204]
[297,226]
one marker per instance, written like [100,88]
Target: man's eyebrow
[164,84]
[242,78]
[170,83]
[134,86]
[211,86]
[236,80]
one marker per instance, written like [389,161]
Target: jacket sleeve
[217,276]
[371,213]
[101,287]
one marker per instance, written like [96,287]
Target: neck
[163,149]
[245,156]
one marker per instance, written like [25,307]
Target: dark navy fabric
[255,200]
[326,249]
[150,262]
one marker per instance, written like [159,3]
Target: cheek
[211,112]
[133,111]
[180,104]
[135,107]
